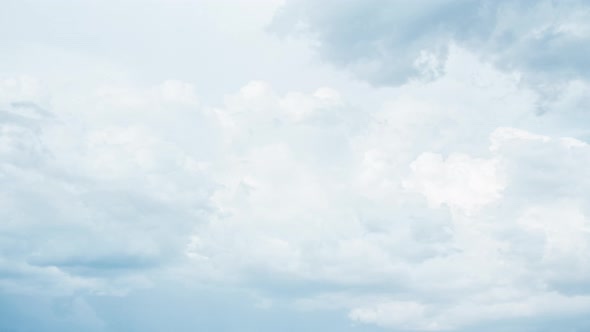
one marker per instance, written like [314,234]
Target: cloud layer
[443,200]
[389,42]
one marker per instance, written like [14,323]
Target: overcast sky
[294,165]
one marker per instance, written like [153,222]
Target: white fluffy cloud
[461,182]
[442,204]
[90,207]
[436,199]
[464,217]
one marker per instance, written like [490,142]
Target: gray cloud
[383,41]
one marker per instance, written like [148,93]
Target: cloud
[392,42]
[459,181]
[497,304]
[444,203]
[428,206]
[91,210]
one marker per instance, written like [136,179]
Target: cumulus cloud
[88,210]
[461,182]
[445,203]
[418,201]
[392,42]
[458,216]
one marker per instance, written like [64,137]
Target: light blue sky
[269,165]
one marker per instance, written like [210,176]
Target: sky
[294,165]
